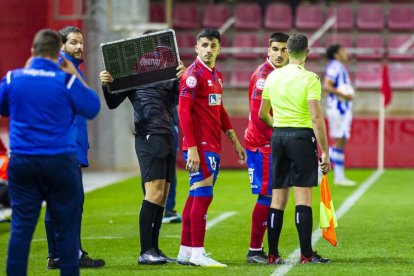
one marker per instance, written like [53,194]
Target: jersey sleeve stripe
[8,77]
[71,81]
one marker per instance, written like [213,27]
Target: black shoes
[257,257]
[315,258]
[52,264]
[87,262]
[152,257]
[275,260]
[84,262]
[169,260]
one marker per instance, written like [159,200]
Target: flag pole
[381,133]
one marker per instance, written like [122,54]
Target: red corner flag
[327,218]
[386,87]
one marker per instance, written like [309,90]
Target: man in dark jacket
[72,50]
[42,101]
[153,118]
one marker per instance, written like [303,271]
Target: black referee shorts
[294,158]
[156,156]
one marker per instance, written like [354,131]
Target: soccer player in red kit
[257,142]
[202,118]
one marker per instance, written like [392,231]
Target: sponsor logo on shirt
[260,83]
[210,83]
[42,73]
[214,99]
[191,82]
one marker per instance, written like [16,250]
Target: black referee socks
[146,221]
[274,227]
[303,221]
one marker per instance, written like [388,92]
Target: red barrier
[361,150]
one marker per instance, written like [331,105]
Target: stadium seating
[344,39]
[215,15]
[368,75]
[344,17]
[186,43]
[394,42]
[248,17]
[401,17]
[278,17]
[241,73]
[157,12]
[401,75]
[246,40]
[370,41]
[314,49]
[315,67]
[186,16]
[309,17]
[370,17]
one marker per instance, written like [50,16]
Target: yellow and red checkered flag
[327,218]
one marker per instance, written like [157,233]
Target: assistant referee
[294,93]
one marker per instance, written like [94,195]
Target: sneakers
[151,257]
[182,260]
[87,262]
[345,182]
[205,260]
[169,260]
[84,262]
[315,258]
[257,257]
[275,260]
[171,217]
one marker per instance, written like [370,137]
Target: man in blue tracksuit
[72,50]
[42,101]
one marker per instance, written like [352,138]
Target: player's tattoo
[230,134]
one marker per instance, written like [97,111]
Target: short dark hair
[278,37]
[47,43]
[297,45]
[209,34]
[68,30]
[332,50]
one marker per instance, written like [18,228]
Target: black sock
[274,227]
[303,221]
[157,226]
[146,220]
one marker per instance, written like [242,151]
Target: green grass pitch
[376,236]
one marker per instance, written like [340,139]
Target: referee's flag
[327,218]
[386,86]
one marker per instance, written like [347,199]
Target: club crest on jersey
[191,82]
[260,83]
[214,99]
[221,83]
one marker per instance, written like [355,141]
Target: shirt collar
[205,65]
[270,63]
[75,61]
[41,62]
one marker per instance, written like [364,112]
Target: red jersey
[257,133]
[200,107]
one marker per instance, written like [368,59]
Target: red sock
[199,220]
[259,225]
[186,223]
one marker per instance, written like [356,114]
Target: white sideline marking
[210,224]
[218,219]
[292,260]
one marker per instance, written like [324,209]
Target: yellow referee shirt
[289,89]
